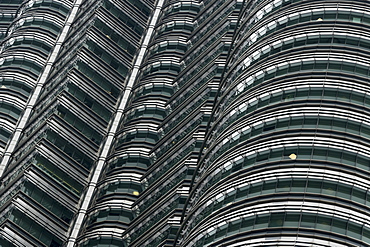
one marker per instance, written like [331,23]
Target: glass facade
[286,155]
[184,123]
[64,67]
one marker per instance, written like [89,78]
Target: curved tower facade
[287,156]
[184,123]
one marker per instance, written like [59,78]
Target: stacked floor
[184,123]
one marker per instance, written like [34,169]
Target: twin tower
[180,123]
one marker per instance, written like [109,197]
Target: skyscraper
[184,123]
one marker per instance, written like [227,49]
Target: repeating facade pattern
[184,123]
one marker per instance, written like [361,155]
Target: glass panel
[354,231]
[323,223]
[329,188]
[358,196]
[277,220]
[283,185]
[292,220]
[344,191]
[261,222]
[314,186]
[247,224]
[308,220]
[298,185]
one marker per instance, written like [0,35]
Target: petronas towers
[184,123]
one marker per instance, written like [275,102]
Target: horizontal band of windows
[319,41]
[129,161]
[10,109]
[186,27]
[153,89]
[38,44]
[79,124]
[60,6]
[37,32]
[4,135]
[314,154]
[313,59]
[142,6]
[19,75]
[69,149]
[162,67]
[326,174]
[137,136]
[34,229]
[320,123]
[73,135]
[295,186]
[290,96]
[260,11]
[286,239]
[299,68]
[315,16]
[59,175]
[102,241]
[290,220]
[129,187]
[47,201]
[127,46]
[89,101]
[175,49]
[43,23]
[182,7]
[30,66]
[97,78]
[147,112]
[109,59]
[123,17]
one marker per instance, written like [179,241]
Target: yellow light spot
[136,193]
[293,156]
[319,19]
[3,86]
